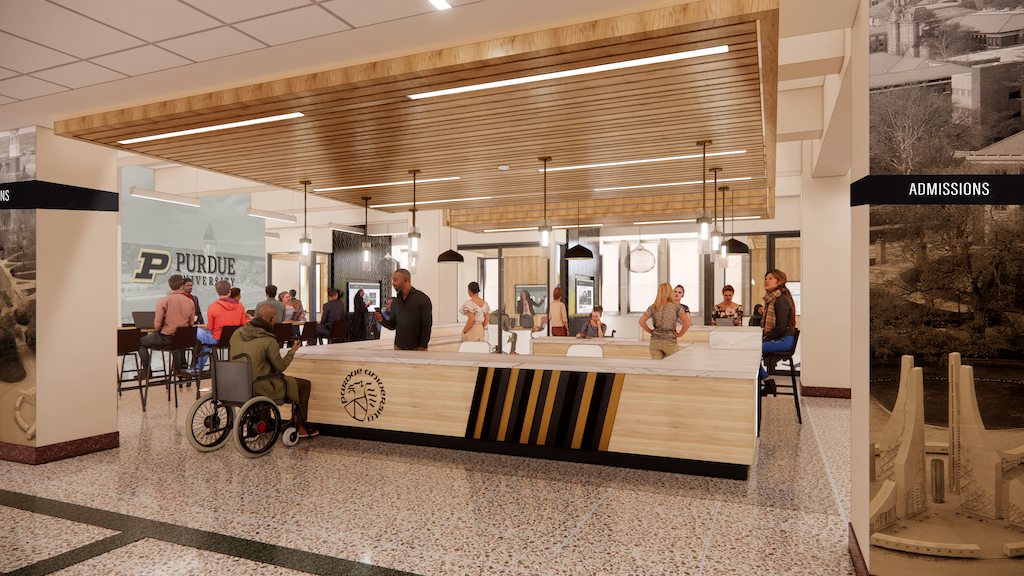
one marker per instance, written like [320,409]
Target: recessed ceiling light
[580,226]
[688,157]
[383,184]
[668,184]
[503,167]
[440,4]
[576,72]
[511,229]
[691,220]
[213,128]
[418,202]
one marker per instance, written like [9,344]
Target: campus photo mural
[18,155]
[217,241]
[18,326]
[946,288]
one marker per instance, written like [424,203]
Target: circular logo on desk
[362,394]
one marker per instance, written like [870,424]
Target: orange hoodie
[224,312]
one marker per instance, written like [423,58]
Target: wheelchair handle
[243,354]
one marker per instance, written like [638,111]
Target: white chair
[585,350]
[477,347]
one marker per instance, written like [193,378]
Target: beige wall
[77,297]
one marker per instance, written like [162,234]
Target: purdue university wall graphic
[17,326]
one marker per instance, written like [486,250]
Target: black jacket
[333,311]
[411,319]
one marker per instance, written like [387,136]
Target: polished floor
[339,506]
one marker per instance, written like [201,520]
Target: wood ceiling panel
[360,128]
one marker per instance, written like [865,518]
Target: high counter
[692,412]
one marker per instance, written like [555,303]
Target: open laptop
[144,320]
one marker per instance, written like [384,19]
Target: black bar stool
[771,358]
[339,330]
[128,345]
[184,340]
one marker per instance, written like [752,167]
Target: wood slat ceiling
[361,128]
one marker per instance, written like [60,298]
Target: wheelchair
[212,420]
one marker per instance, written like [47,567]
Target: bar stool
[184,340]
[128,345]
[771,358]
[339,330]
[585,350]
[308,334]
[283,333]
[224,344]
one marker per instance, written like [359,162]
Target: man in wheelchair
[258,341]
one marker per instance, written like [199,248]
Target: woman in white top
[477,314]
[558,314]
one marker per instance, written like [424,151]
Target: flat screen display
[371,294]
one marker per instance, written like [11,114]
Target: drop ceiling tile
[25,87]
[212,44]
[151,20]
[141,60]
[24,56]
[232,11]
[359,13]
[4,73]
[62,29]
[293,25]
[6,100]
[78,75]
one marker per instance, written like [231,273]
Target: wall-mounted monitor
[584,295]
[371,294]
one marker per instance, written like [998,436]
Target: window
[684,268]
[643,288]
[610,265]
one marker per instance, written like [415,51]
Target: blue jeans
[206,337]
[783,344]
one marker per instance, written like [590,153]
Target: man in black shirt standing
[411,314]
[334,309]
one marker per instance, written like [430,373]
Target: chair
[585,351]
[251,313]
[475,347]
[308,334]
[339,330]
[128,344]
[283,333]
[770,358]
[224,344]
[184,340]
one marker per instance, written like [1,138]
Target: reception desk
[694,412]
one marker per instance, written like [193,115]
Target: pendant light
[545,228]
[450,256]
[703,219]
[366,235]
[579,251]
[640,259]
[734,246]
[414,233]
[723,256]
[716,234]
[305,243]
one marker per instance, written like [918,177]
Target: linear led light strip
[418,202]
[576,72]
[381,185]
[213,128]
[534,228]
[692,220]
[164,197]
[267,215]
[668,184]
[688,157]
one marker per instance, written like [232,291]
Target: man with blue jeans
[218,318]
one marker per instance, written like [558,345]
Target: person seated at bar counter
[172,312]
[271,292]
[186,289]
[727,309]
[236,295]
[334,309]
[594,328]
[411,314]
[665,314]
[225,311]
[258,341]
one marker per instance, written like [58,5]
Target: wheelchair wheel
[209,423]
[257,428]
[290,437]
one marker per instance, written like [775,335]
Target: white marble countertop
[697,359]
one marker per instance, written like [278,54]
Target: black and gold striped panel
[545,408]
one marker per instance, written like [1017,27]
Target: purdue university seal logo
[362,394]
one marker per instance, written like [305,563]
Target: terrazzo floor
[340,506]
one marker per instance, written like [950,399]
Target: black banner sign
[47,195]
[938,189]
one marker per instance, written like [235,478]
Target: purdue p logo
[151,263]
